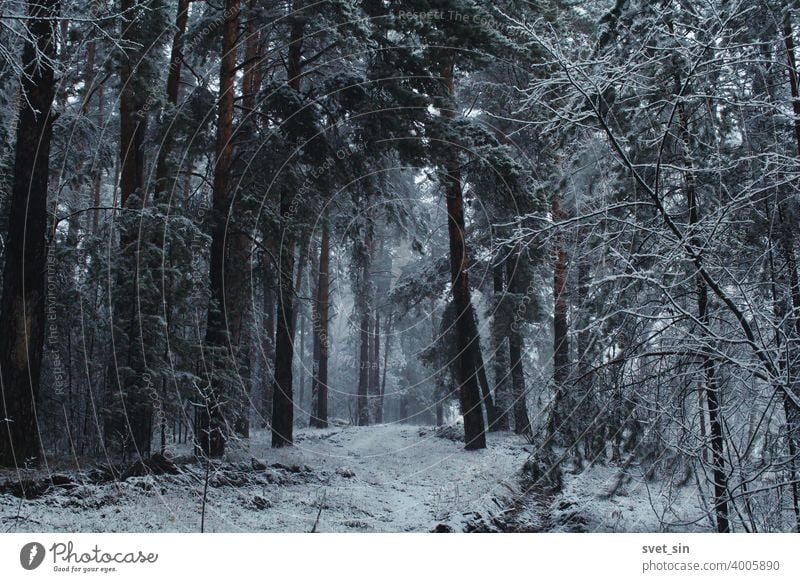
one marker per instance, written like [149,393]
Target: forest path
[394,478]
[386,478]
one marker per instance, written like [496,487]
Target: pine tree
[22,305]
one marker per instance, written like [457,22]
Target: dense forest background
[576,221]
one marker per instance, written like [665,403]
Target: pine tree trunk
[212,432]
[132,120]
[268,370]
[709,368]
[163,179]
[386,345]
[439,389]
[301,368]
[502,387]
[22,305]
[522,423]
[483,381]
[375,370]
[282,398]
[362,300]
[251,82]
[474,434]
[130,418]
[558,419]
[362,408]
[319,386]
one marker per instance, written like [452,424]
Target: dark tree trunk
[319,386]
[439,390]
[268,277]
[483,381]
[558,419]
[282,398]
[91,58]
[297,323]
[301,368]
[22,305]
[522,423]
[375,370]
[131,410]
[173,85]
[502,384]
[212,431]
[386,344]
[474,433]
[362,408]
[132,121]
[709,368]
[251,82]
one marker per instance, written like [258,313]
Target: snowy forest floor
[387,478]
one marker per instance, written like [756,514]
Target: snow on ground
[388,478]
[604,498]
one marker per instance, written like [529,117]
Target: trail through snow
[389,478]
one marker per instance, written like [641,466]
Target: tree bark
[267,280]
[386,344]
[474,433]
[173,86]
[483,381]
[502,387]
[132,121]
[375,371]
[522,423]
[558,417]
[363,302]
[22,305]
[212,432]
[362,409]
[319,386]
[282,398]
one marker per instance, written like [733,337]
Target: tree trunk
[212,431]
[708,366]
[522,423]
[267,279]
[251,82]
[173,85]
[362,299]
[301,368]
[483,381]
[502,387]
[319,386]
[474,434]
[558,419]
[22,305]
[375,369]
[282,398]
[130,418]
[132,120]
[362,409]
[91,57]
[385,366]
